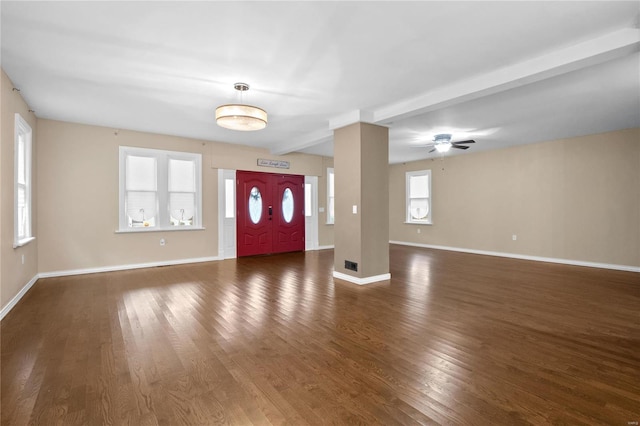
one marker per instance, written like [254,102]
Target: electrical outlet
[23,259]
[162,241]
[514,237]
[418,231]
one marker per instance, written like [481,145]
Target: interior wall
[14,275]
[78,217]
[574,199]
[348,185]
[361,180]
[78,177]
[240,157]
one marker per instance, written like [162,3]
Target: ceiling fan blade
[431,151]
[459,146]
[461,142]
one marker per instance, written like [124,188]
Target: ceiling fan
[442,143]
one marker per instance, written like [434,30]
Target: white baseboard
[525,257]
[125,267]
[325,247]
[361,281]
[7,308]
[13,302]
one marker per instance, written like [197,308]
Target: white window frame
[331,219]
[408,219]
[22,130]
[163,217]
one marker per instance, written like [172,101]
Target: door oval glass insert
[287,205]
[255,205]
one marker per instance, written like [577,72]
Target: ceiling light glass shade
[241,117]
[443,147]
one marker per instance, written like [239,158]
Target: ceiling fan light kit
[443,147]
[442,143]
[240,116]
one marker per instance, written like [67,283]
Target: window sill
[418,223]
[23,242]
[154,229]
[330,223]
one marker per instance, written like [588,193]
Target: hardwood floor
[453,338]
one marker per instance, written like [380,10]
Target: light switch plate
[355,209]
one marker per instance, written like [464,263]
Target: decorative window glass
[287,205]
[255,205]
[159,189]
[418,199]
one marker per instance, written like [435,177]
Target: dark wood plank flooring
[453,338]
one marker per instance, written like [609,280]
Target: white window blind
[419,197]
[182,191]
[159,189]
[141,191]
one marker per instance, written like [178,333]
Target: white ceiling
[502,73]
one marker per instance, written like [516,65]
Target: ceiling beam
[571,58]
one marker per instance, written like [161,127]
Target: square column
[361,167]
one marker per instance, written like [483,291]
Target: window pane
[331,216]
[182,207]
[22,212]
[229,202]
[331,188]
[419,209]
[307,200]
[141,208]
[140,173]
[22,162]
[419,186]
[255,205]
[287,205]
[182,176]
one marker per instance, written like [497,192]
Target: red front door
[270,213]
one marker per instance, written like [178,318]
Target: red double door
[270,213]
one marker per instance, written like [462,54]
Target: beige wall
[78,178]
[13,274]
[239,157]
[575,199]
[78,199]
[242,157]
[361,179]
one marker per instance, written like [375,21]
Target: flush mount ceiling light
[240,116]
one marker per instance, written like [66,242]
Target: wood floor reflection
[452,338]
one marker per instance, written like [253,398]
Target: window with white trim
[418,197]
[330,196]
[22,212]
[159,189]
